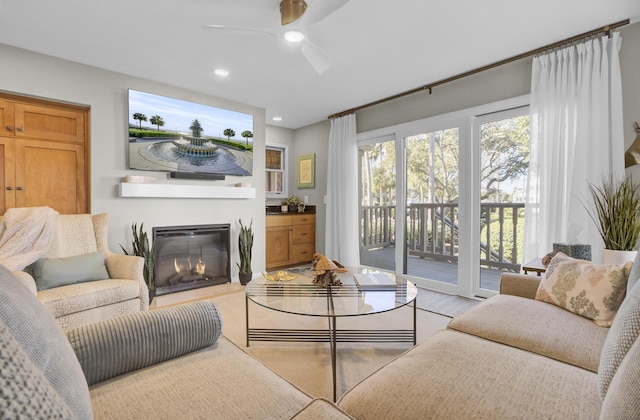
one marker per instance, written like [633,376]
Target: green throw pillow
[56,272]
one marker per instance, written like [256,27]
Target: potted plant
[616,215]
[245,244]
[294,202]
[141,248]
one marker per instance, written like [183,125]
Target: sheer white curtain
[342,193]
[576,138]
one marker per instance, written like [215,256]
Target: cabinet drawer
[303,253]
[303,234]
[307,219]
[278,221]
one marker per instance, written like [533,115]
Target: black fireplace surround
[190,257]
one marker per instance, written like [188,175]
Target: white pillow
[594,291]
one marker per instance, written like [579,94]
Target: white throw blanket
[28,235]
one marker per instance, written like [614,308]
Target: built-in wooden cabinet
[44,149]
[291,240]
[51,123]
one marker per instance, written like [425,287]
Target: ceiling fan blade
[320,9]
[318,59]
[239,30]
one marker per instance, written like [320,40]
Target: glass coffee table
[301,297]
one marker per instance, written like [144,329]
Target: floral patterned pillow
[594,291]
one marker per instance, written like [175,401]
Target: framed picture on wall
[307,171]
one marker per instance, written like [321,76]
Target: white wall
[503,82]
[28,73]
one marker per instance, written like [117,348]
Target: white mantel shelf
[128,189]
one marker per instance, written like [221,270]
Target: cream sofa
[170,363]
[510,357]
[122,292]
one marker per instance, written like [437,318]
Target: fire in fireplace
[190,257]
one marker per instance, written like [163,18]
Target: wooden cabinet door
[7,174]
[50,123]
[7,125]
[278,246]
[51,174]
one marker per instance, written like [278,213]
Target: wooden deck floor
[384,258]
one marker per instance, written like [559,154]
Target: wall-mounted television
[173,135]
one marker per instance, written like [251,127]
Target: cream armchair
[72,305]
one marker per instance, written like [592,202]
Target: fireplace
[190,257]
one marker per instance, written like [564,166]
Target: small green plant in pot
[615,212]
[293,202]
[245,244]
[141,248]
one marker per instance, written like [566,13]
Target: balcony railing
[432,231]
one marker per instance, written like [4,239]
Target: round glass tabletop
[298,295]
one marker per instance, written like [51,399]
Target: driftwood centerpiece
[325,271]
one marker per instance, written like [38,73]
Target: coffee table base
[332,335]
[323,336]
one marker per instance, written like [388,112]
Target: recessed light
[294,36]
[221,72]
[277,118]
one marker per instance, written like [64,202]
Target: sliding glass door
[431,228]
[504,163]
[442,199]
[378,203]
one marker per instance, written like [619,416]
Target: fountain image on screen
[173,135]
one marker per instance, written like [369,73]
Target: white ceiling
[378,47]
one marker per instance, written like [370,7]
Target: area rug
[444,304]
[308,365]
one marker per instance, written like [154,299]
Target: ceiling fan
[296,16]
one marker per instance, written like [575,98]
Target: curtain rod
[605,29]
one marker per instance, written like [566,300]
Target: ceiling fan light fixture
[294,36]
[291,10]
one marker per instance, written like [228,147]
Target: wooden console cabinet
[291,240]
[44,149]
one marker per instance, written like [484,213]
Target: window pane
[377,204]
[274,181]
[274,158]
[276,171]
[432,205]
[504,154]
